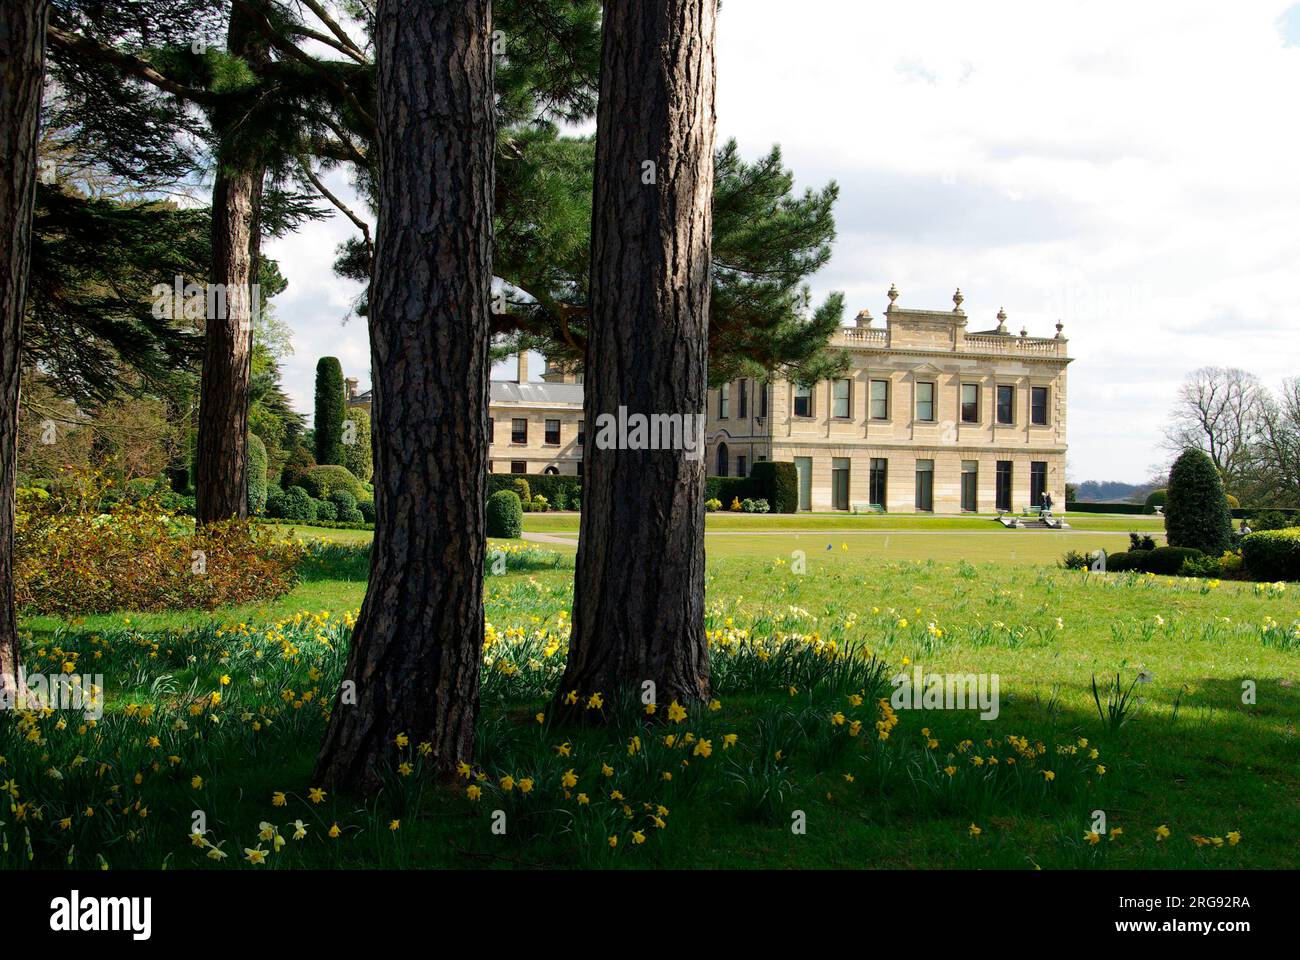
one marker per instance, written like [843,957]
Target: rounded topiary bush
[1196,510]
[298,505]
[324,481]
[325,510]
[275,503]
[343,500]
[352,516]
[367,509]
[505,515]
[522,490]
[1156,498]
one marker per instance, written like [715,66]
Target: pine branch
[128,63]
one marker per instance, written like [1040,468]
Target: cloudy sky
[1131,169]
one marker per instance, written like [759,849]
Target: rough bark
[22,66]
[639,590]
[414,663]
[221,458]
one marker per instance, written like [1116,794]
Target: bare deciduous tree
[1218,411]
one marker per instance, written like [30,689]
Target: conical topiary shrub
[1196,509]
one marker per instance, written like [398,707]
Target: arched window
[723,460]
[552,471]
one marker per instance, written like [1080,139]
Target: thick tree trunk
[221,458]
[22,66]
[639,592]
[414,664]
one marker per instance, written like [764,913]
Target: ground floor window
[724,459]
[840,483]
[518,466]
[1003,487]
[1037,482]
[876,481]
[970,477]
[803,467]
[742,466]
[925,485]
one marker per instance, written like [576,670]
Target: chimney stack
[523,366]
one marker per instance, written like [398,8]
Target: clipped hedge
[257,489]
[1077,506]
[777,482]
[1272,554]
[556,488]
[1125,560]
[505,515]
[728,489]
[1168,560]
[1156,498]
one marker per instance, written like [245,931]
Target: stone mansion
[929,417]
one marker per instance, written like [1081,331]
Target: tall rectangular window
[803,469]
[492,430]
[742,466]
[1038,406]
[802,401]
[1006,403]
[518,430]
[879,399]
[1037,482]
[970,403]
[839,483]
[924,401]
[552,433]
[970,482]
[582,432]
[744,399]
[724,401]
[877,480]
[1002,488]
[762,399]
[842,392]
[924,485]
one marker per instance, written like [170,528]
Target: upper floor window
[925,400]
[970,403]
[519,430]
[879,399]
[582,431]
[762,399]
[744,399]
[553,433]
[724,401]
[491,430]
[1038,406]
[1006,404]
[802,401]
[842,390]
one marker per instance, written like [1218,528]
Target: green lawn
[568,522]
[1189,755]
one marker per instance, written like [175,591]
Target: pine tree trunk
[22,65]
[221,458]
[639,590]
[414,663]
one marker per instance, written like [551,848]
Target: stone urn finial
[1059,327]
[957,298]
[1002,320]
[893,294]
[1024,332]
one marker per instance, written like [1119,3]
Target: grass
[921,522]
[1185,752]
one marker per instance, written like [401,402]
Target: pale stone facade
[895,431]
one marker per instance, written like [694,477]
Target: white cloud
[1126,168]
